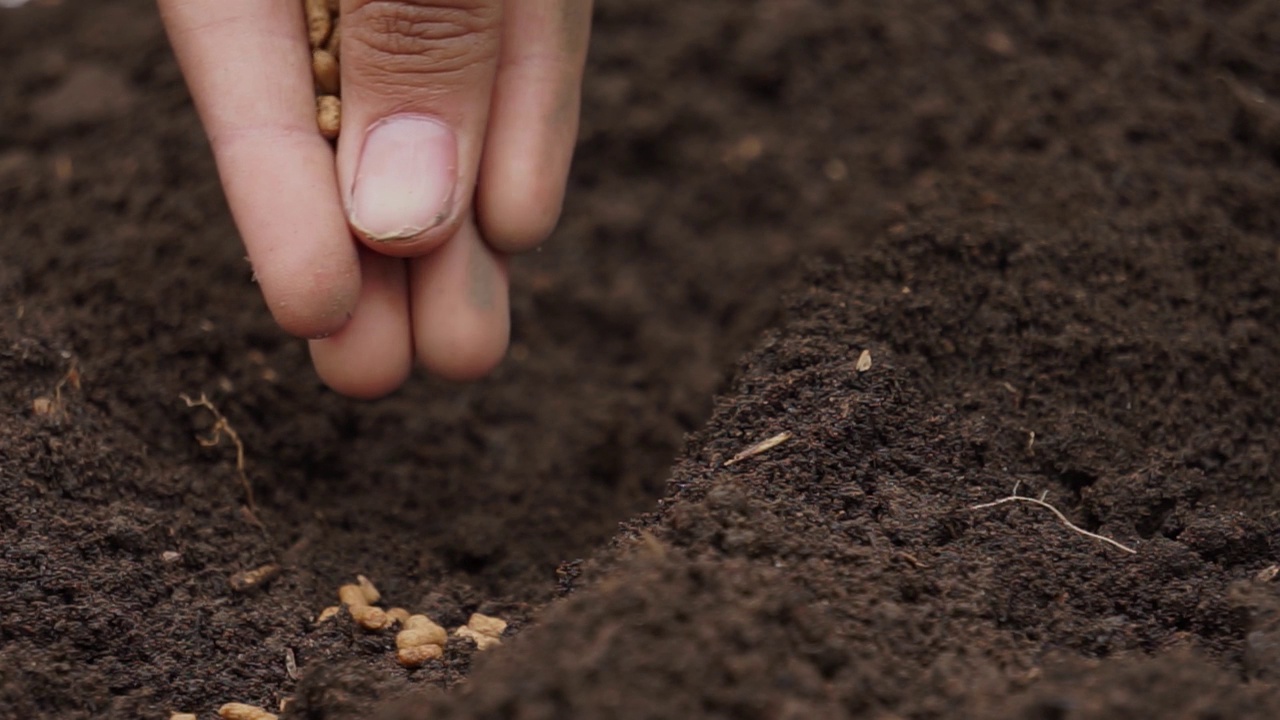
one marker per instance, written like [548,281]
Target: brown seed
[324,68]
[352,596]
[371,594]
[369,618]
[182,716]
[485,625]
[482,641]
[319,22]
[327,613]
[398,614]
[412,657]
[864,362]
[43,406]
[241,711]
[334,46]
[247,580]
[329,116]
[413,637]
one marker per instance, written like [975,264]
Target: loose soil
[1054,226]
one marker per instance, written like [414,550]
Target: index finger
[248,66]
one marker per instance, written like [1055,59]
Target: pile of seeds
[420,639]
[325,37]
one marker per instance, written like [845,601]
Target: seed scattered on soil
[864,362]
[43,406]
[182,716]
[482,641]
[368,589]
[327,613]
[357,597]
[415,636]
[417,656]
[369,618]
[484,630]
[486,625]
[399,615]
[1268,573]
[290,665]
[351,596]
[760,447]
[247,580]
[420,640]
[241,711]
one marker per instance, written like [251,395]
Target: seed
[43,406]
[369,618]
[864,362]
[329,116]
[412,657]
[485,625]
[414,637]
[371,594]
[319,22]
[240,711]
[334,46]
[324,68]
[352,596]
[182,716]
[482,641]
[247,580]
[327,613]
[398,614]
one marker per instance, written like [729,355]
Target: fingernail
[405,177]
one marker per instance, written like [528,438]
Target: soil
[1054,228]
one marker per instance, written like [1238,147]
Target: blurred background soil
[1053,226]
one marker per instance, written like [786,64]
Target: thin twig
[1041,502]
[222,427]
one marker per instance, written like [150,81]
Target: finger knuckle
[408,37]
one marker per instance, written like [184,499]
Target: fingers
[461,320]
[248,68]
[534,121]
[373,354]
[416,81]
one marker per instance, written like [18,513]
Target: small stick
[1041,502]
[222,427]
[759,447]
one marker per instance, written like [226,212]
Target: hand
[458,125]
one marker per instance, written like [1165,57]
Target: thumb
[417,77]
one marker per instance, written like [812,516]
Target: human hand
[458,124]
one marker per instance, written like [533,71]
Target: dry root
[220,428]
[1015,497]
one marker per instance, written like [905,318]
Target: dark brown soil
[1054,226]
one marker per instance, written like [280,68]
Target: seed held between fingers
[329,116]
[324,67]
[319,21]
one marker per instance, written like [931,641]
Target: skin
[473,103]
